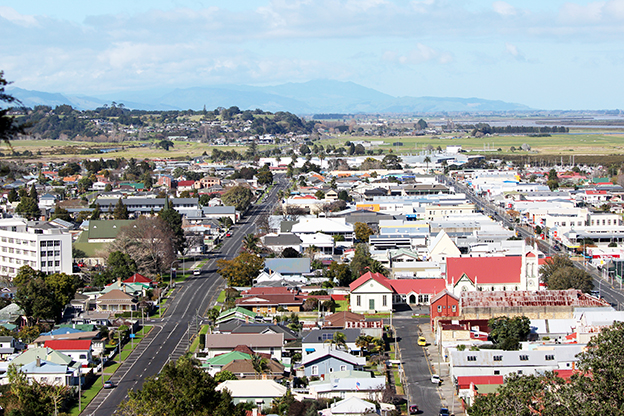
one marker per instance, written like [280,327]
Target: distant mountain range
[313,97]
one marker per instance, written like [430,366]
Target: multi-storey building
[38,244]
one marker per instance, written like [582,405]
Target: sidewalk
[446,390]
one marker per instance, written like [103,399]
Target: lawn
[221,298]
[342,305]
[195,343]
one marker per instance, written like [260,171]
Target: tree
[121,265]
[224,375]
[13,196]
[95,215]
[9,129]
[241,270]
[559,273]
[165,144]
[250,244]
[553,180]
[28,208]
[61,213]
[340,272]
[239,196]
[259,364]
[422,124]
[339,340]
[427,160]
[290,253]
[174,220]
[121,211]
[182,388]
[362,231]
[361,260]
[319,194]
[507,333]
[225,222]
[310,304]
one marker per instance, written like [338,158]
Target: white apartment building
[38,244]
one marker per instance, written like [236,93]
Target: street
[169,338]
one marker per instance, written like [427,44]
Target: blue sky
[545,54]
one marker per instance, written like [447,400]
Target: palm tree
[362,343]
[427,160]
[339,340]
[250,243]
[259,364]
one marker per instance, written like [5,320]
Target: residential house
[371,292]
[257,392]
[351,406]
[78,349]
[46,372]
[328,360]
[319,339]
[237,314]
[9,346]
[244,369]
[444,304]
[279,242]
[261,343]
[116,301]
[344,384]
[215,364]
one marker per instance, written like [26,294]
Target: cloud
[504,9]
[13,16]
[419,55]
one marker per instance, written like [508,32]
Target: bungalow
[236,314]
[268,304]
[244,369]
[116,301]
[318,339]
[258,392]
[327,360]
[215,364]
[344,384]
[261,343]
[78,350]
[46,372]
[140,279]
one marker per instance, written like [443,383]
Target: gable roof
[339,319]
[246,366]
[254,340]
[487,270]
[228,357]
[117,296]
[329,352]
[378,277]
[253,388]
[138,278]
[69,345]
[289,266]
[442,294]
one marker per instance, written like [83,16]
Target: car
[422,341]
[196,272]
[435,379]
[413,409]
[228,235]
[557,248]
[444,412]
[108,384]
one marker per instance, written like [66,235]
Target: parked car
[444,412]
[196,272]
[413,409]
[108,384]
[422,341]
[228,235]
[435,379]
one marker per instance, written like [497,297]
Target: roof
[264,328]
[330,352]
[253,388]
[223,359]
[106,229]
[69,345]
[338,319]
[270,300]
[320,335]
[378,277]
[43,367]
[464,381]
[285,239]
[487,270]
[289,266]
[352,405]
[427,286]
[186,183]
[138,278]
[116,295]
[441,294]
[246,366]
[48,354]
[225,341]
[527,298]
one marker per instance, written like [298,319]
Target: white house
[371,292]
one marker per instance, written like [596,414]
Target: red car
[228,235]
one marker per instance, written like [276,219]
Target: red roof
[138,278]
[426,286]
[378,277]
[186,183]
[464,381]
[279,290]
[68,344]
[488,270]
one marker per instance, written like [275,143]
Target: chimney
[38,362]
[254,412]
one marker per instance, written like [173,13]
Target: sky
[547,54]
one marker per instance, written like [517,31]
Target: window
[43,243]
[471,358]
[496,372]
[454,308]
[315,370]
[83,356]
[343,368]
[519,371]
[43,253]
[50,263]
[439,308]
[57,252]
[524,358]
[358,300]
[57,243]
[331,369]
[423,298]
[384,300]
[549,357]
[498,358]
[50,253]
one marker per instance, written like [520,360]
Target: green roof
[106,229]
[81,327]
[601,180]
[236,311]
[135,185]
[223,359]
[47,354]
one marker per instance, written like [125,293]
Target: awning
[310,350]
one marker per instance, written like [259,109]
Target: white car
[196,272]
[435,379]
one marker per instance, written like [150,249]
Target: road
[420,391]
[189,302]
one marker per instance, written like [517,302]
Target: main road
[169,338]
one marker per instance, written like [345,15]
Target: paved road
[169,337]
[416,366]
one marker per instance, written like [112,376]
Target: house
[141,280]
[288,267]
[116,301]
[352,406]
[236,314]
[215,364]
[344,384]
[46,372]
[469,387]
[244,368]
[339,320]
[328,360]
[8,346]
[318,339]
[186,186]
[79,349]
[261,343]
[266,304]
[258,392]
[444,304]
[279,242]
[371,292]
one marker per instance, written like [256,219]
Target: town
[305,282]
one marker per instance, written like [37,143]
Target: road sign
[132,335]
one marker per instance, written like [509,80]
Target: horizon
[556,56]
